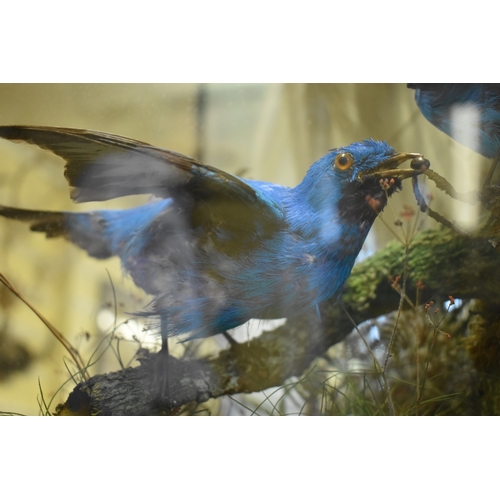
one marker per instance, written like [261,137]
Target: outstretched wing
[102,166]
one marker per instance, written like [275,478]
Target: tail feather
[102,233]
[51,223]
[86,230]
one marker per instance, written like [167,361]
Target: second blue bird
[479,126]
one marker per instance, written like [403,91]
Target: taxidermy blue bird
[212,249]
[438,100]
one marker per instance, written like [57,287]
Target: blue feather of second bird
[438,100]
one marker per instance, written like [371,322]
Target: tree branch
[446,263]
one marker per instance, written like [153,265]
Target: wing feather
[101,166]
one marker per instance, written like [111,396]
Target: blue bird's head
[354,182]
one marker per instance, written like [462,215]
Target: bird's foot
[160,382]
[162,370]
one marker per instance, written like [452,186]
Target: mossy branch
[446,264]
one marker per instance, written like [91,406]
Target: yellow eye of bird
[343,161]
